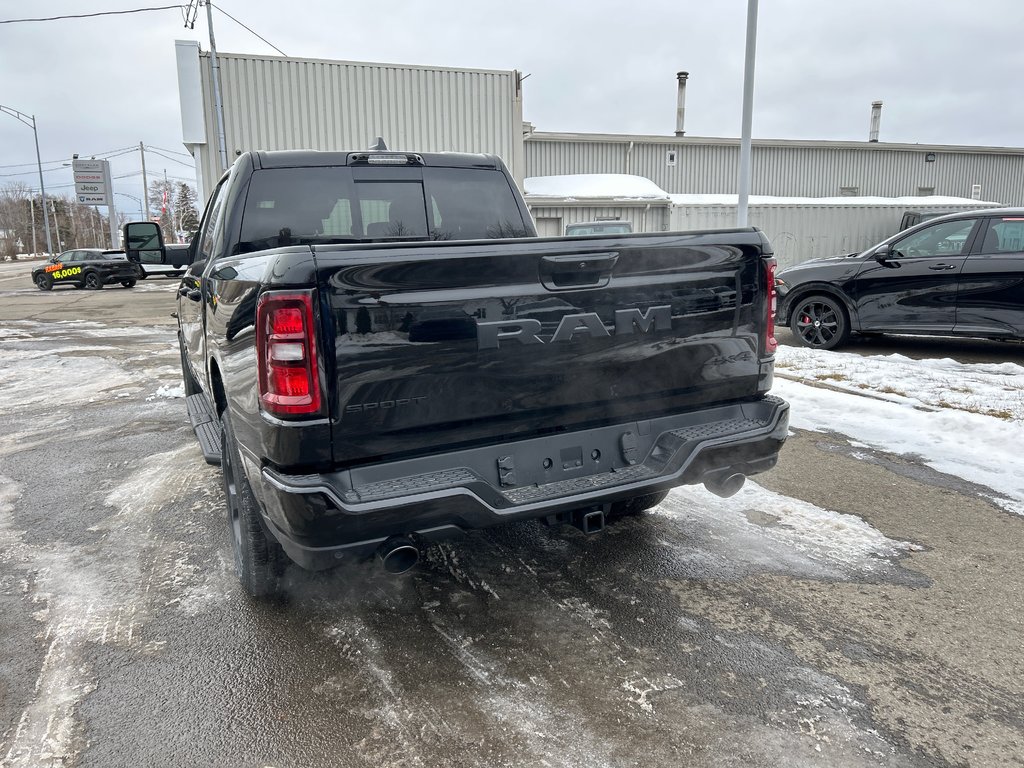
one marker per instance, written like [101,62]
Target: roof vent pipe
[876,120]
[681,102]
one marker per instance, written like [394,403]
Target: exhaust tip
[725,484]
[398,555]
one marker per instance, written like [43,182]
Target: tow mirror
[144,243]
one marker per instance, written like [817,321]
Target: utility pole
[74,229]
[218,104]
[56,226]
[145,184]
[32,213]
[170,205]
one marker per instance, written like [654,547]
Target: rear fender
[827,289]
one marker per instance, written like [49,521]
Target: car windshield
[301,206]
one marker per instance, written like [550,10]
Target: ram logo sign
[587,325]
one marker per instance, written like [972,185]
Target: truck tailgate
[439,345]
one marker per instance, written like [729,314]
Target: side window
[70,257]
[210,222]
[946,239]
[1004,235]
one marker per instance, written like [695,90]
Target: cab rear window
[300,206]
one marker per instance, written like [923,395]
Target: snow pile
[27,378]
[618,186]
[995,389]
[170,392]
[772,531]
[963,419]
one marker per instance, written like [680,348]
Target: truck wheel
[819,322]
[191,385]
[259,562]
[637,504]
[128,283]
[93,281]
[44,282]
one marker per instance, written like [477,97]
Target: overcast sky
[947,71]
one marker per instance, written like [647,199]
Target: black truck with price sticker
[380,353]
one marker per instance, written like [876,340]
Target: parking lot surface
[856,606]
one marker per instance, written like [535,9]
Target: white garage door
[549,226]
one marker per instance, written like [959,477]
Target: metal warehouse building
[697,165]
[273,102]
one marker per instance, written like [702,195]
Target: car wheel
[44,282]
[819,322]
[128,283]
[191,385]
[637,504]
[259,562]
[93,281]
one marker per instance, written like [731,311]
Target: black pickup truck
[380,353]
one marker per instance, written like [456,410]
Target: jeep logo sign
[587,325]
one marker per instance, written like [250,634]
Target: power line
[247,28]
[67,163]
[92,15]
[172,151]
[168,157]
[110,152]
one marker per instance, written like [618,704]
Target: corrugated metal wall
[281,103]
[655,219]
[802,232]
[802,171]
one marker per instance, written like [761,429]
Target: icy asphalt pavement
[857,607]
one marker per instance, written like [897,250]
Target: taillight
[770,344]
[289,384]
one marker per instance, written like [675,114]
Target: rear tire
[93,281]
[259,562]
[44,282]
[637,504]
[128,283]
[819,322]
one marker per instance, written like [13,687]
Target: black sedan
[958,275]
[86,268]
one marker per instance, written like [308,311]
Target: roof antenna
[380,146]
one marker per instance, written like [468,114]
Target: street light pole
[142,216]
[30,121]
[748,111]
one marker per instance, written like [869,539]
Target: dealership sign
[92,181]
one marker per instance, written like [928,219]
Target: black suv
[86,268]
[957,275]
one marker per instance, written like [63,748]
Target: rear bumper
[319,518]
[119,276]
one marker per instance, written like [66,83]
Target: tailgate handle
[569,272]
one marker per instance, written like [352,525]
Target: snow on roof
[913,202]
[619,186]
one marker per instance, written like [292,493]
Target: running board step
[206,426]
